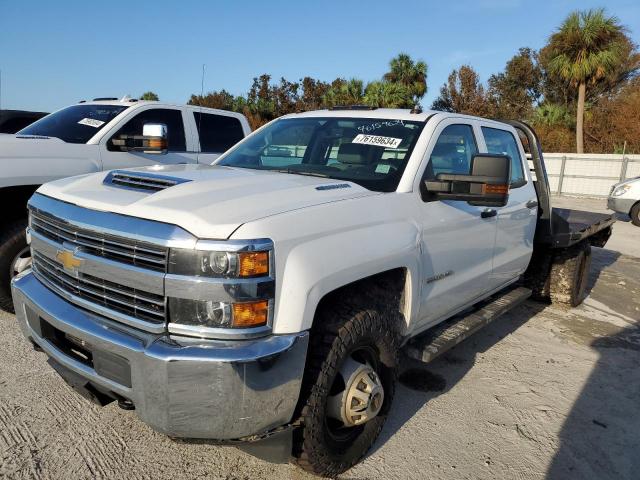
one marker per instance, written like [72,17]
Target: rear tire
[342,334]
[635,214]
[13,242]
[538,274]
[569,275]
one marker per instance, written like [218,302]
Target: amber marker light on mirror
[250,314]
[499,189]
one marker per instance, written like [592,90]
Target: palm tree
[586,48]
[345,92]
[387,95]
[413,75]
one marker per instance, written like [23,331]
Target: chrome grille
[129,301]
[112,247]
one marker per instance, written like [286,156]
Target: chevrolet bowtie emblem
[68,260]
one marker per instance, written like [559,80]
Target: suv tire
[13,242]
[344,334]
[635,214]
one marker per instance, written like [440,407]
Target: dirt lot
[541,393]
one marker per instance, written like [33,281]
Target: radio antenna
[200,116]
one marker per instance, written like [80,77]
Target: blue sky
[56,53]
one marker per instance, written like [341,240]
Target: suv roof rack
[352,107]
[99,99]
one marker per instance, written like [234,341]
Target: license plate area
[106,364]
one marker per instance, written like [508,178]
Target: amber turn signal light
[252,264]
[251,314]
[496,189]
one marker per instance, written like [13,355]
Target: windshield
[368,151]
[75,124]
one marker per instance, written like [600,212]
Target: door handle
[532,203]
[488,213]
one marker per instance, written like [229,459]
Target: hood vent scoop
[141,181]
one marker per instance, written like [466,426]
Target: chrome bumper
[620,205]
[183,387]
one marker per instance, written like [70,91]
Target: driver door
[457,243]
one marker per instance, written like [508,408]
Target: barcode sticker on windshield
[388,142]
[91,122]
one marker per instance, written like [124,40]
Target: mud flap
[274,449]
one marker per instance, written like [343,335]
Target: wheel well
[14,201]
[384,291]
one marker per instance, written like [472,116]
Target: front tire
[348,387]
[14,256]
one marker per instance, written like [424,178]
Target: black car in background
[12,121]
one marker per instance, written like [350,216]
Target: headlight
[621,190]
[219,264]
[210,314]
[221,285]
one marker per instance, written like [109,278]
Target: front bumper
[221,390]
[620,205]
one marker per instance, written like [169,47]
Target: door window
[171,118]
[217,133]
[503,142]
[453,151]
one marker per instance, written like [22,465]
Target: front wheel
[14,258]
[348,388]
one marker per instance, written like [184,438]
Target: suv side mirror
[154,139]
[487,185]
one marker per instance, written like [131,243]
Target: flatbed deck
[572,226]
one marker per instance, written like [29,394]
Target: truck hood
[208,201]
[32,160]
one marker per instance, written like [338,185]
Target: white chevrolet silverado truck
[264,301]
[92,136]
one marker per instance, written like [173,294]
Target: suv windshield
[75,124]
[371,152]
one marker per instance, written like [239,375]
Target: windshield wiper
[300,172]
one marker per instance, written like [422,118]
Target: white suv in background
[625,198]
[92,136]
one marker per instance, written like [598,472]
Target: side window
[217,133]
[453,151]
[504,143]
[171,118]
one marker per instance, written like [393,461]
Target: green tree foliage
[388,95]
[409,74]
[149,96]
[586,49]
[463,93]
[344,92]
[515,92]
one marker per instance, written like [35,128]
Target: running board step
[442,337]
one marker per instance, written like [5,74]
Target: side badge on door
[437,277]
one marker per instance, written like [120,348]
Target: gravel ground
[540,393]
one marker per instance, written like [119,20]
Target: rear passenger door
[217,133]
[517,220]
[179,148]
[457,244]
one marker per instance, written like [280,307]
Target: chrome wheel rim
[362,397]
[21,262]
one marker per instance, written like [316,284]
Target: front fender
[314,268]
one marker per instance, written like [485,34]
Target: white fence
[589,174]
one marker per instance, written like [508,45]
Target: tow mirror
[154,139]
[486,185]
